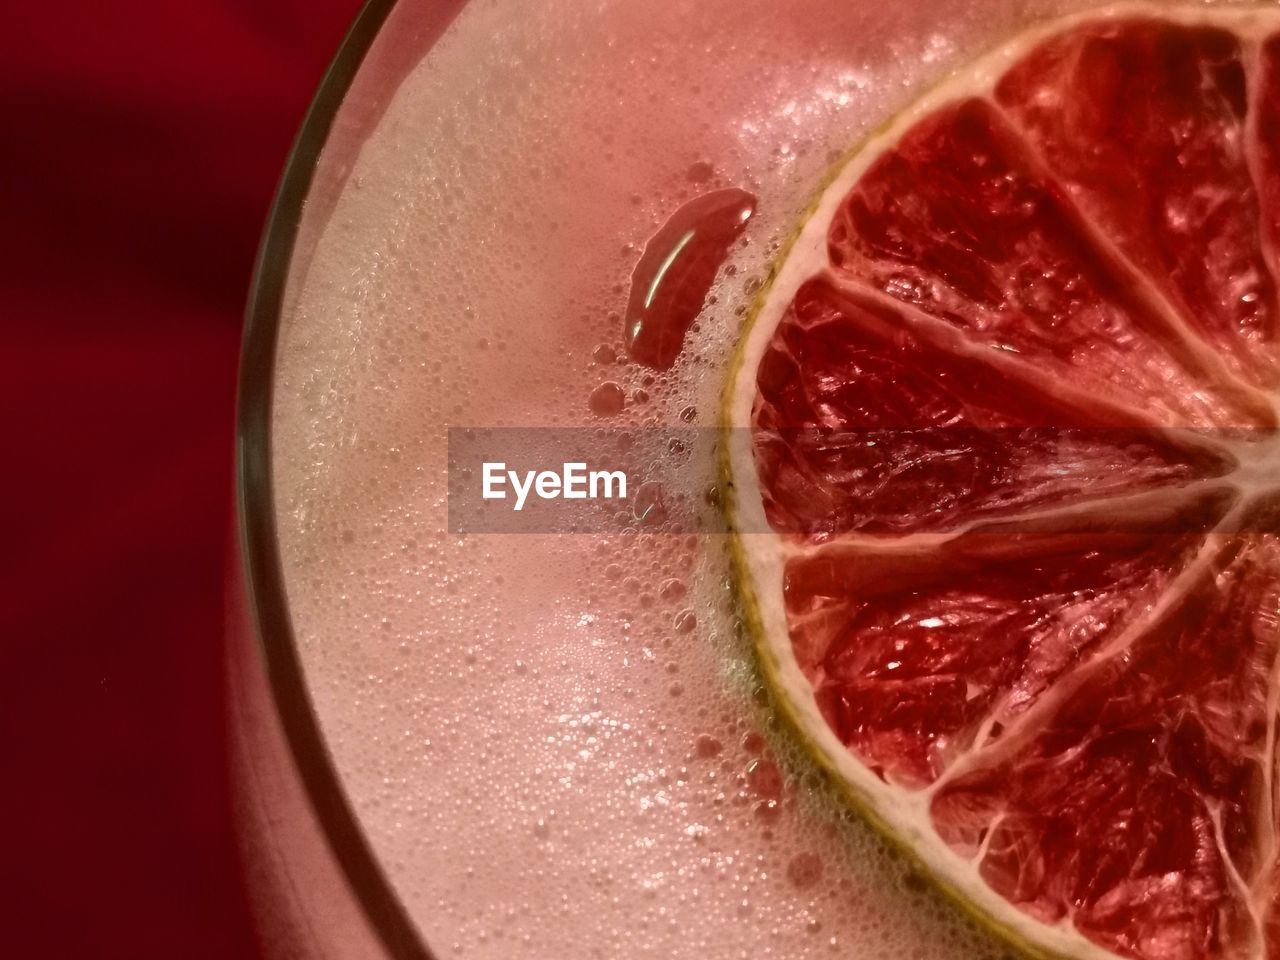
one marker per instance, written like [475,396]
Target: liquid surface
[554,743]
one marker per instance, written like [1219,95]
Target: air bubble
[804,870]
[764,778]
[672,589]
[607,400]
[707,746]
[699,172]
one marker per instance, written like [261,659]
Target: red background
[141,146]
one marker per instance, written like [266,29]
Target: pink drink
[554,744]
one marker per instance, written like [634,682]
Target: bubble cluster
[557,744]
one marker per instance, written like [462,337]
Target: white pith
[905,813]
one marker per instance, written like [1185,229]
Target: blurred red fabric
[142,143]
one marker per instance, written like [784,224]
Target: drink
[555,744]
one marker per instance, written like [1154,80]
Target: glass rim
[260,561]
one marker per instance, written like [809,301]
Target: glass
[320,886]
[315,887]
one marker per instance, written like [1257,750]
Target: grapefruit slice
[1002,467]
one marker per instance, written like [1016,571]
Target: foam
[547,760]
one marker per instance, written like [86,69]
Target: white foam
[544,763]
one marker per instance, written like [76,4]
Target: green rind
[768,666]
[748,609]
[742,578]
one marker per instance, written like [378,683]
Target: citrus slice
[1002,471]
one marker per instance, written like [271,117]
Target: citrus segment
[1265,130]
[865,424]
[910,655]
[957,220]
[1143,808]
[1144,121]
[1010,565]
